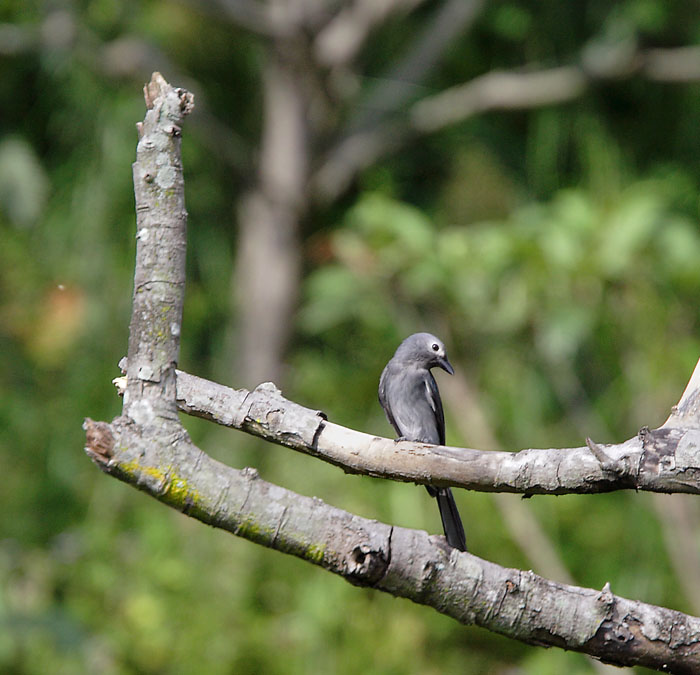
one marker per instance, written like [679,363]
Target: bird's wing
[433,396]
[384,402]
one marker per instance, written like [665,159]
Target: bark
[659,460]
[406,563]
[149,449]
[161,243]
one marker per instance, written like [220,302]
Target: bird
[411,401]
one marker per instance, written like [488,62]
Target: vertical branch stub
[159,277]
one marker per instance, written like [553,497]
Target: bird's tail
[451,522]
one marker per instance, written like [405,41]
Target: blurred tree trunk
[308,82]
[268,258]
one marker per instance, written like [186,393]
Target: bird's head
[425,350]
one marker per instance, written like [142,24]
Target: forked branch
[149,449]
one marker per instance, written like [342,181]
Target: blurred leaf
[511,21]
[563,331]
[627,230]
[24,184]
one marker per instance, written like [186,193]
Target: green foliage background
[556,251]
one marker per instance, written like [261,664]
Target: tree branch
[148,448]
[340,41]
[660,460]
[159,277]
[398,85]
[471,419]
[520,89]
[406,563]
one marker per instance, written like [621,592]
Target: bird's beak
[446,365]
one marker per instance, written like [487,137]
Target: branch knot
[99,442]
[366,566]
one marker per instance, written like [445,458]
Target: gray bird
[411,400]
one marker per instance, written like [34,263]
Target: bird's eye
[436,347]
